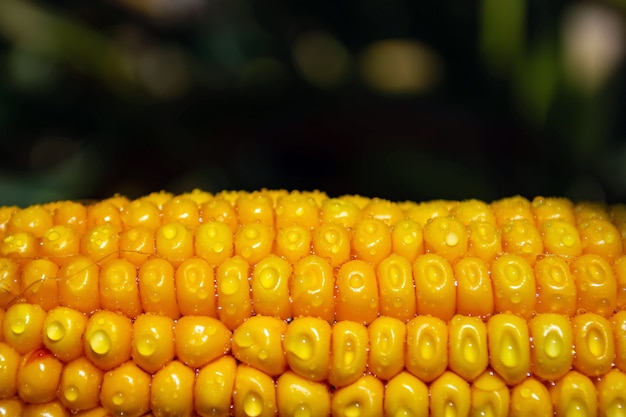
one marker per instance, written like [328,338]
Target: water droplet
[331,237]
[229,285]
[218,247]
[262,355]
[427,346]
[100,343]
[55,331]
[118,398]
[251,233]
[568,240]
[301,346]
[509,349]
[553,344]
[557,275]
[70,393]
[452,239]
[146,345]
[353,410]
[169,231]
[576,408]
[595,342]
[252,404]
[356,281]
[470,347]
[269,278]
[302,410]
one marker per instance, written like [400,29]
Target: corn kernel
[513,285]
[332,242]
[561,238]
[612,393]
[34,219]
[118,288]
[522,237]
[484,241]
[312,288]
[574,394]
[107,339]
[387,337]
[396,288]
[407,239]
[181,210]
[195,288]
[39,283]
[153,341]
[22,327]
[62,331]
[157,288]
[473,287]
[552,346]
[59,242]
[270,287]
[363,398]
[449,395]
[137,244]
[447,237]
[339,211]
[9,363]
[79,386]
[141,212]
[435,286]
[296,208]
[427,210]
[490,396]
[214,242]
[49,409]
[553,208]
[78,282]
[199,340]
[306,344]
[254,394]
[601,237]
[509,347]
[11,407]
[126,391]
[258,343]
[556,289]
[172,390]
[9,282]
[100,243]
[219,210]
[174,243]
[234,304]
[293,243]
[213,391]
[348,353]
[596,285]
[38,376]
[512,208]
[618,323]
[472,211]
[467,338]
[104,212]
[619,267]
[531,398]
[594,344]
[298,396]
[21,246]
[357,292]
[371,240]
[253,242]
[406,395]
[426,347]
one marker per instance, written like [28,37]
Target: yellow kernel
[446,237]
[618,324]
[118,288]
[426,347]
[552,345]
[601,237]
[293,242]
[556,290]
[574,394]
[593,343]
[522,237]
[300,397]
[356,296]
[219,210]
[427,210]
[258,343]
[270,287]
[553,208]
[449,396]
[474,289]
[332,242]
[9,362]
[312,288]
[19,246]
[181,210]
[512,208]
[561,238]
[530,398]
[588,210]
[141,212]
[484,241]
[339,211]
[214,242]
[174,242]
[100,243]
[296,208]
[9,282]
[254,394]
[172,390]
[509,347]
[612,393]
[78,282]
[195,288]
[60,242]
[153,341]
[49,409]
[371,240]
[157,288]
[514,285]
[79,387]
[234,304]
[490,396]
[363,398]
[126,391]
[255,207]
[406,395]
[306,344]
[253,242]
[213,390]
[34,219]
[407,239]
[39,283]
[104,212]
[596,286]
[22,327]
[435,286]
[38,376]
[467,338]
[348,353]
[471,211]
[137,244]
[383,210]
[387,337]
[199,340]
[107,339]
[11,407]
[62,331]
[396,288]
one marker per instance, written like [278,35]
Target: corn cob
[293,303]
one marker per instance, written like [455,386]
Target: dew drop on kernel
[252,404]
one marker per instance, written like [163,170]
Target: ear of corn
[295,304]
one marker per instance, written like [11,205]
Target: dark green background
[77,121]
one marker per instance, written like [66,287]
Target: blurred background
[391,98]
